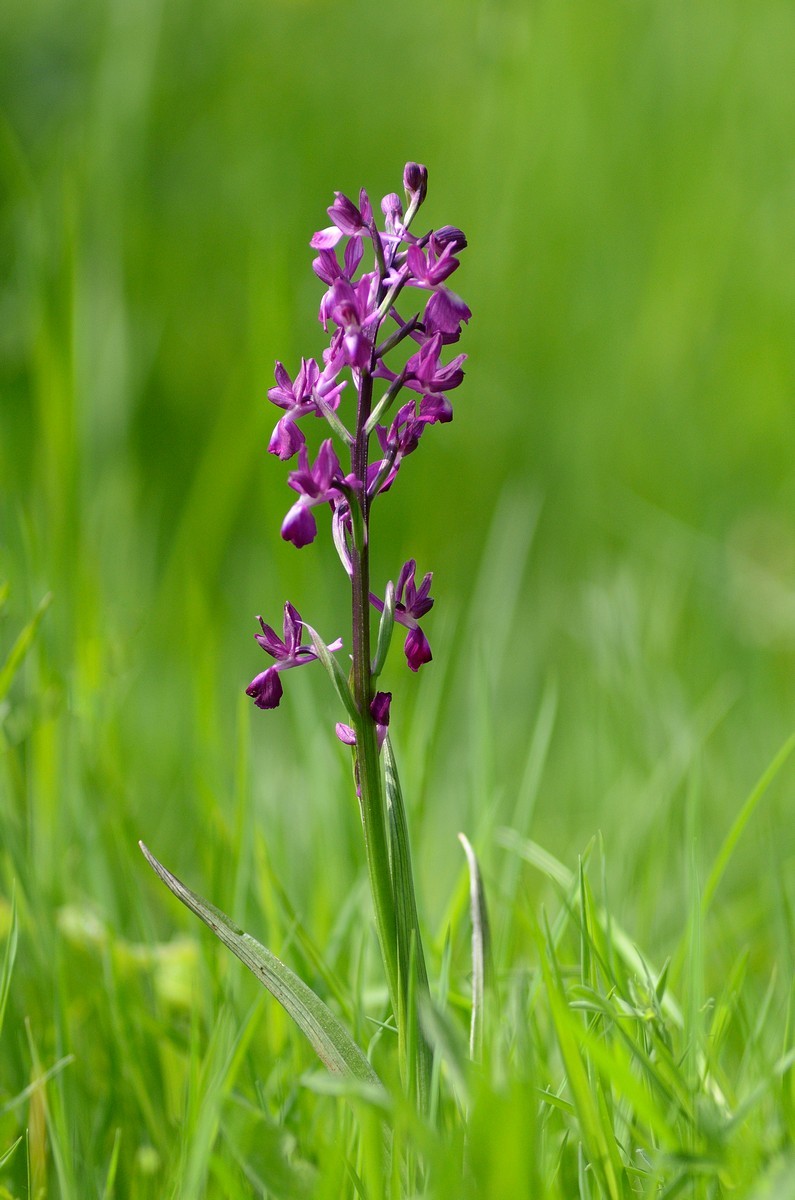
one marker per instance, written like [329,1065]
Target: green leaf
[6,1155]
[447,1042]
[328,1037]
[412,972]
[385,628]
[740,822]
[21,646]
[598,1141]
[8,959]
[335,672]
[481,949]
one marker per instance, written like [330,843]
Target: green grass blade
[8,959]
[481,950]
[598,1141]
[21,646]
[740,822]
[6,1155]
[328,1037]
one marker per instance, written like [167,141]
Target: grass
[609,709]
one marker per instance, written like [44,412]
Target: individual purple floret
[315,485]
[266,688]
[411,604]
[348,221]
[300,399]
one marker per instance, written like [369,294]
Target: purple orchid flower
[411,604]
[348,221]
[431,269]
[266,688]
[424,372]
[299,399]
[352,307]
[315,485]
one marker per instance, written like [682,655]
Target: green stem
[372,804]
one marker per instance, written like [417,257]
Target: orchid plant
[381,384]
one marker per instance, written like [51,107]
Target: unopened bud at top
[415,181]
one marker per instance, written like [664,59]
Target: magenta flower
[411,604]
[299,400]
[348,221]
[352,307]
[430,269]
[315,485]
[266,688]
[424,372]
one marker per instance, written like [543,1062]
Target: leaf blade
[328,1037]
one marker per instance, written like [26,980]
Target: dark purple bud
[379,707]
[448,235]
[392,209]
[415,182]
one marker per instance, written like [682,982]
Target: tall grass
[610,521]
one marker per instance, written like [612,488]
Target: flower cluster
[370,345]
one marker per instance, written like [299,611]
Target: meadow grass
[609,709]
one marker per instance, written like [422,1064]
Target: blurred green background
[609,517]
[624,174]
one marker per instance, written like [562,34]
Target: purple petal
[417,649]
[293,629]
[299,525]
[354,252]
[406,577]
[444,313]
[286,439]
[326,239]
[326,266]
[266,689]
[270,641]
[379,707]
[345,734]
[345,214]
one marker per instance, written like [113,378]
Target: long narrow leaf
[335,672]
[481,949]
[411,960]
[22,645]
[385,627]
[328,1037]
[8,960]
[741,820]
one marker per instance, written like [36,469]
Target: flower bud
[415,181]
